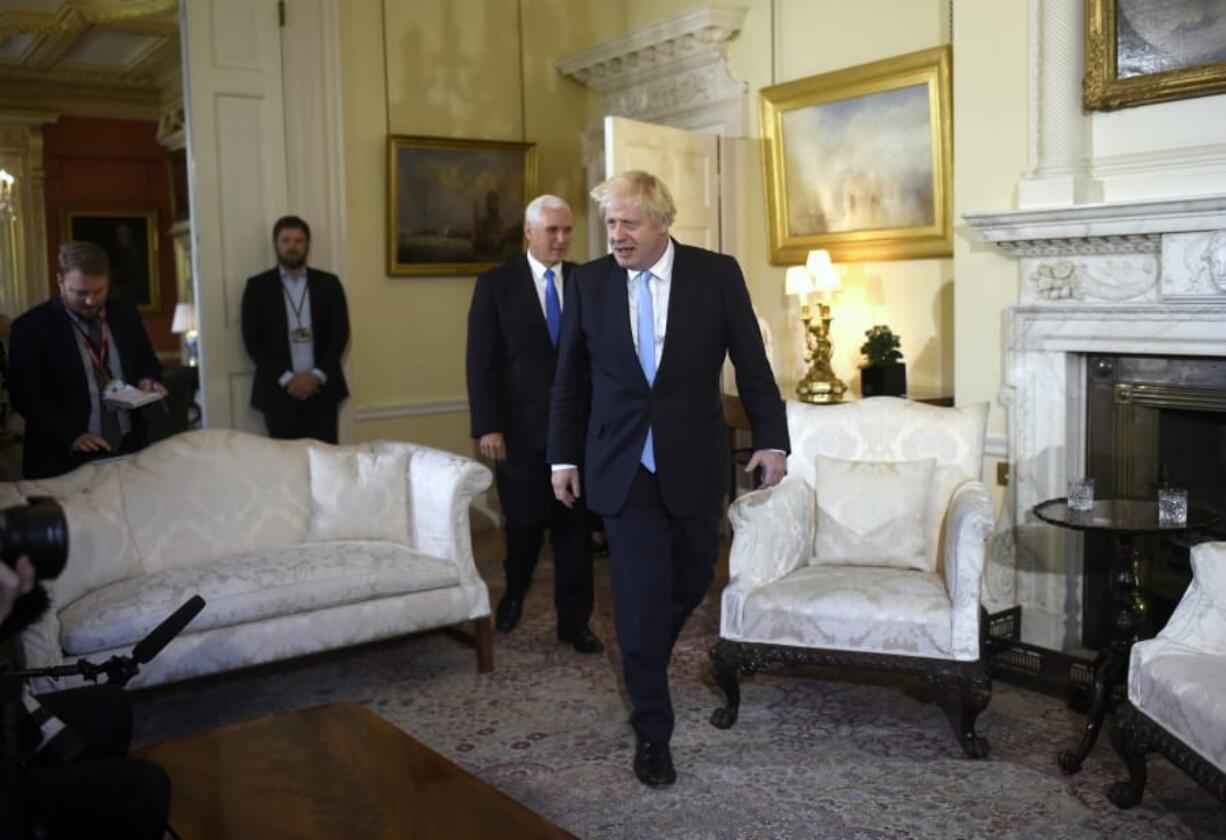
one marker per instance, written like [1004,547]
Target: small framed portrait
[130,241]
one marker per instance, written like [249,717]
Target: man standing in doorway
[65,355]
[646,332]
[513,328]
[295,328]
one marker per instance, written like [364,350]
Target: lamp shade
[819,266]
[185,318]
[798,281]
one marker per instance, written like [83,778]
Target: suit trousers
[526,494]
[661,567]
[291,419]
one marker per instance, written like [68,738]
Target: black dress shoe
[653,764]
[584,641]
[508,613]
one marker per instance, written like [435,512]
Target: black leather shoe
[508,613]
[584,641]
[653,764]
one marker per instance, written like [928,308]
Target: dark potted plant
[885,374]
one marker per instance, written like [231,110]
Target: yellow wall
[478,69]
[484,69]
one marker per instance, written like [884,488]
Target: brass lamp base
[819,384]
[815,391]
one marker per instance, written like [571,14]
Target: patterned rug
[815,754]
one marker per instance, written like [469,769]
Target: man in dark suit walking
[646,330]
[513,328]
[295,328]
[65,354]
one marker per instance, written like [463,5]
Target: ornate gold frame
[396,142]
[930,67]
[1103,91]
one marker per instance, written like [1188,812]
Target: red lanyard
[96,355]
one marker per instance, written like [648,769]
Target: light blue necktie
[647,354]
[553,308]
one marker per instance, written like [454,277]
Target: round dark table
[1124,520]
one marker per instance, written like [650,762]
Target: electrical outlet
[1002,473]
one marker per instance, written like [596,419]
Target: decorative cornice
[1118,228]
[696,38]
[74,14]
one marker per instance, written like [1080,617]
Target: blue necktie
[647,354]
[553,308]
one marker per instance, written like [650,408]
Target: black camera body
[39,531]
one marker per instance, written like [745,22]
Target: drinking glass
[1172,506]
[1081,494]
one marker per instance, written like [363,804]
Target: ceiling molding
[73,15]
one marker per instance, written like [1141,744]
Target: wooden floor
[330,771]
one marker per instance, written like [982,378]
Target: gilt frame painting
[1144,51]
[859,161]
[130,239]
[455,207]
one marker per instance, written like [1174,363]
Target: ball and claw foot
[1069,762]
[975,746]
[1123,794]
[724,717]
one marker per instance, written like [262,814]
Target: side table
[1124,520]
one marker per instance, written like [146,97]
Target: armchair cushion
[358,496]
[882,610]
[873,513]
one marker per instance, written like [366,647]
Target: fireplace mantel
[1132,278]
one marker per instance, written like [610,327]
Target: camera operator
[68,773]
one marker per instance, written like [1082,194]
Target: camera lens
[39,531]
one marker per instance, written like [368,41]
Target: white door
[686,161]
[236,145]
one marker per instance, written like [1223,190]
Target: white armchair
[1177,688]
[869,554]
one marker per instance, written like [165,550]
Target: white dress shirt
[298,314]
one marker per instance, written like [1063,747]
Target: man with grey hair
[643,342]
[513,328]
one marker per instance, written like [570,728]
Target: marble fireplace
[1138,280]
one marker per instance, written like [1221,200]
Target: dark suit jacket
[511,359]
[709,315]
[48,385]
[266,335]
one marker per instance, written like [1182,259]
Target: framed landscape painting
[455,206]
[1143,51]
[859,161]
[130,241]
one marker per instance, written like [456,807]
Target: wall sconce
[184,324]
[8,208]
[817,275]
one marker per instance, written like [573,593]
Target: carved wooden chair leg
[1128,743]
[976,692]
[725,667]
[485,644]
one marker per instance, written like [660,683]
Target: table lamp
[184,324]
[816,276]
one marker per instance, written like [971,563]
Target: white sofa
[227,515]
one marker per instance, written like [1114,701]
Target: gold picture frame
[130,239]
[455,207]
[1157,56]
[859,161]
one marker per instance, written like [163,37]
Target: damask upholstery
[1177,684]
[786,602]
[226,515]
